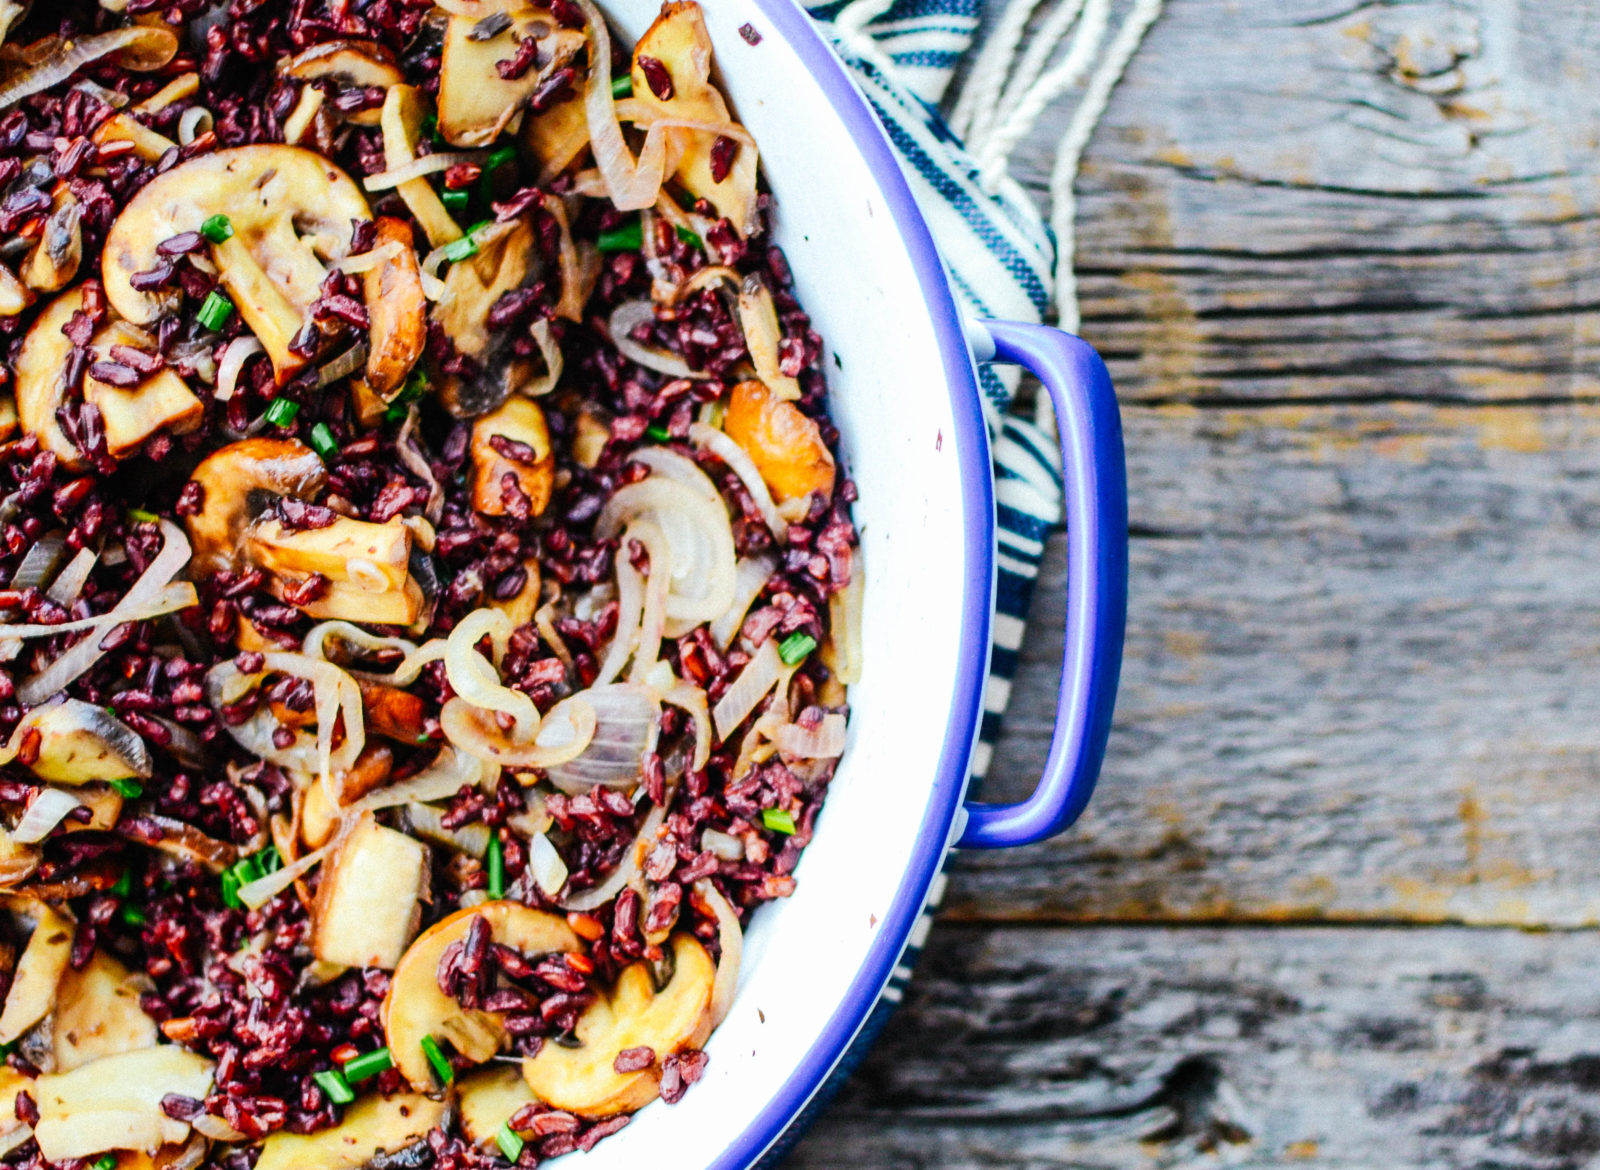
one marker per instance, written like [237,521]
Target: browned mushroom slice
[557,135]
[487,1098]
[679,43]
[369,901]
[584,1080]
[523,452]
[391,712]
[240,482]
[347,64]
[41,385]
[54,260]
[367,566]
[291,211]
[162,402]
[114,1103]
[506,262]
[416,1008]
[80,743]
[374,1131]
[397,308]
[147,144]
[14,296]
[475,102]
[402,117]
[44,961]
[785,445]
[522,605]
[97,1014]
[13,1131]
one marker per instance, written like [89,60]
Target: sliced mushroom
[487,1098]
[397,308]
[391,712]
[402,117]
[584,1080]
[114,1103]
[180,88]
[161,402]
[14,296]
[679,41]
[291,211]
[54,260]
[557,135]
[39,971]
[18,862]
[369,902]
[368,567]
[471,288]
[475,102]
[13,1132]
[80,743]
[372,1128]
[238,483]
[97,1014]
[348,64]
[785,445]
[521,422]
[416,1007]
[104,804]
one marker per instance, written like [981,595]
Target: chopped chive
[499,158]
[778,820]
[281,411]
[457,250]
[323,442]
[795,647]
[622,86]
[719,411]
[368,1064]
[394,414]
[133,917]
[332,1082]
[437,1058]
[105,1162]
[430,129]
[230,890]
[124,886]
[140,516]
[415,387]
[128,789]
[510,1142]
[215,311]
[628,237]
[497,868]
[658,432]
[691,238]
[270,860]
[217,228]
[456,202]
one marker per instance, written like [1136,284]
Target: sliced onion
[553,361]
[483,237]
[549,871]
[666,462]
[53,679]
[69,583]
[721,845]
[194,121]
[698,535]
[476,679]
[343,366]
[45,811]
[234,355]
[570,305]
[747,691]
[627,722]
[692,699]
[213,1127]
[823,742]
[758,317]
[336,695]
[630,609]
[405,446]
[258,893]
[15,1138]
[69,56]
[657,587]
[627,317]
[433,288]
[632,185]
[419,168]
[709,275]
[40,562]
[426,820]
[173,597]
[562,737]
[843,650]
[731,936]
[750,577]
[370,259]
[627,869]
[450,772]
[711,439]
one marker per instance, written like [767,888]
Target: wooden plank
[1357,681]
[1341,201]
[1342,1048]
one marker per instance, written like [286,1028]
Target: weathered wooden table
[1335,902]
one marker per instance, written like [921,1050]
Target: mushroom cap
[239,481]
[41,383]
[290,207]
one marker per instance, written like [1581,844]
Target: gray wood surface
[1344,260]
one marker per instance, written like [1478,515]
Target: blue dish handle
[1097,579]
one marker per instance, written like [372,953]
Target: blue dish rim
[939,829]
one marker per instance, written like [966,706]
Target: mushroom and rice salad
[427,587]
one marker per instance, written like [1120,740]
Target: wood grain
[1335,1048]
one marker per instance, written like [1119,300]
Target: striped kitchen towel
[1002,259]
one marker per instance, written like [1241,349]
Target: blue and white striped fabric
[999,255]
